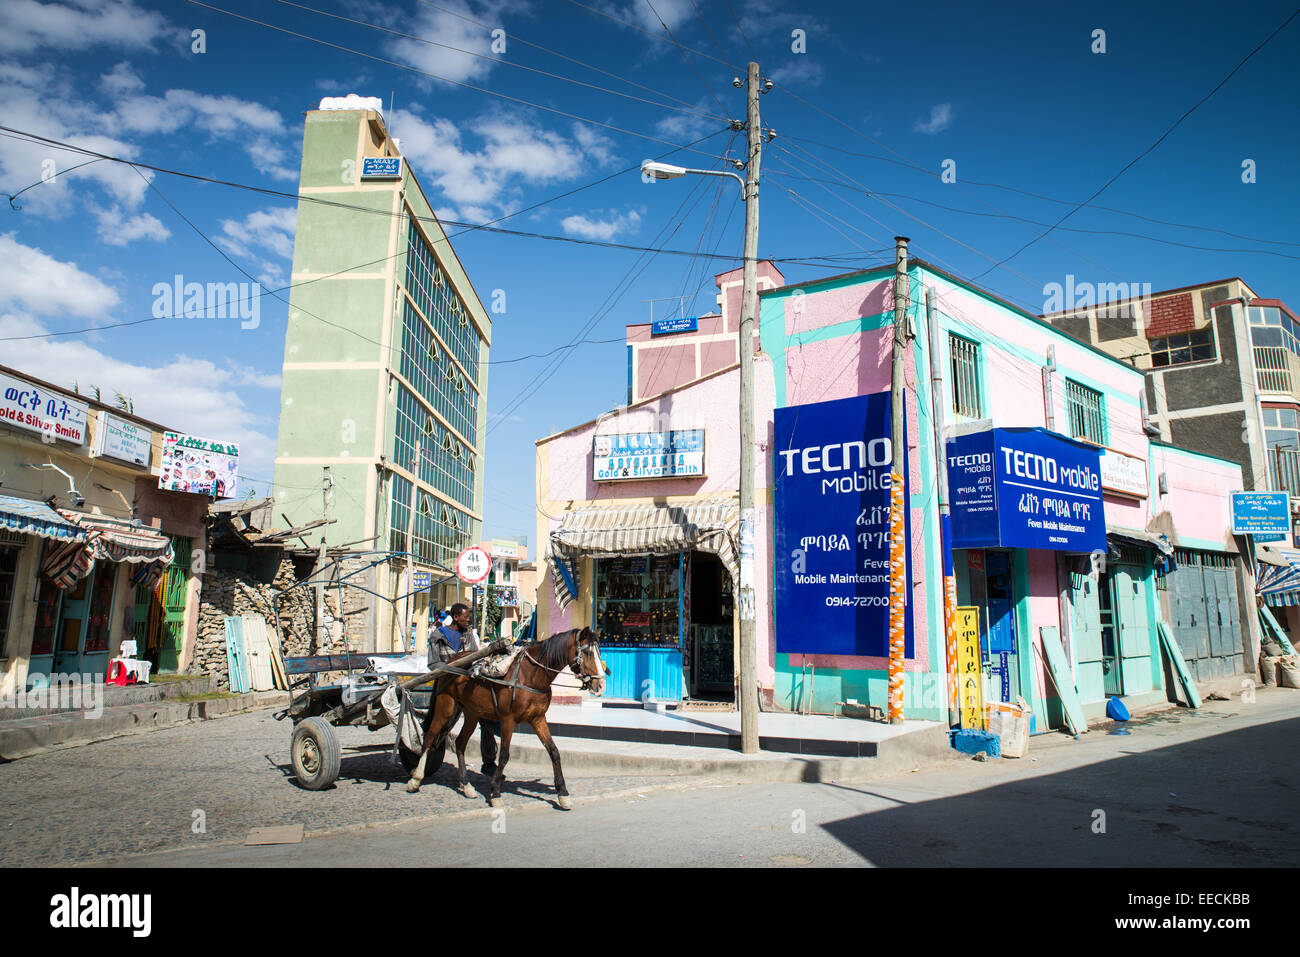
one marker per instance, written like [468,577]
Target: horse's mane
[555,649]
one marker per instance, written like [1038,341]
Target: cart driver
[453,638]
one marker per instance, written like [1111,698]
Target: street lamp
[748,685]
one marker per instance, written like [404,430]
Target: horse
[522,697]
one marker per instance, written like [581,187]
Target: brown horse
[521,697]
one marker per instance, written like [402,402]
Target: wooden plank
[259,653]
[1270,623]
[236,655]
[1059,670]
[1180,666]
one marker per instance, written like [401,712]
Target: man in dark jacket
[452,639]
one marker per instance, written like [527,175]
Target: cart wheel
[315,753]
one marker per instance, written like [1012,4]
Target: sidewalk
[130,710]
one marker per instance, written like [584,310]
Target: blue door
[49,599]
[85,627]
[1005,681]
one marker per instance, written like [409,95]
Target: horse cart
[317,709]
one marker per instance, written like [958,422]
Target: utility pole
[897,523]
[327,486]
[410,547]
[939,410]
[748,307]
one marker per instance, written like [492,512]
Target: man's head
[460,616]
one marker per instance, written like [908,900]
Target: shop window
[8,581]
[1086,410]
[965,377]
[1182,348]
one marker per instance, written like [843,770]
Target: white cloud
[265,238]
[940,119]
[27,26]
[121,80]
[671,12]
[37,283]
[182,392]
[589,227]
[452,31]
[511,151]
[116,228]
[801,71]
[685,127]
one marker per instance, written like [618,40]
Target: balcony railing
[1284,468]
[1277,369]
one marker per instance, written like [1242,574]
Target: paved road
[1185,789]
[139,794]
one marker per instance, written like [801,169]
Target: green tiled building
[387,344]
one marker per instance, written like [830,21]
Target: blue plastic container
[1115,709]
[970,741]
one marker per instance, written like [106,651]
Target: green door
[1112,674]
[175,590]
[1134,627]
[1085,633]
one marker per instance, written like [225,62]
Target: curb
[27,737]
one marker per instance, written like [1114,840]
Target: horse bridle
[585,680]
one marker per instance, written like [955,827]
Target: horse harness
[585,680]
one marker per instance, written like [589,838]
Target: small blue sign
[1026,488]
[420,581]
[1260,514]
[381,167]
[663,327]
[832,463]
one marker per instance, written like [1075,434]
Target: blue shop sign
[420,581]
[663,327]
[832,463]
[1025,488]
[381,167]
[1266,515]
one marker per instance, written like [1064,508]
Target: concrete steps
[67,698]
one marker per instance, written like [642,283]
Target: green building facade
[386,347]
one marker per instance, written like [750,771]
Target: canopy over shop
[661,591]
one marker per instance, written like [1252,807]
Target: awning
[712,525]
[117,540]
[1277,576]
[107,539]
[36,518]
[1134,536]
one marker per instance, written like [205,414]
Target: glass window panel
[1180,355]
[1279,438]
[1270,416]
[1272,317]
[1159,345]
[1200,338]
[1160,358]
[1202,352]
[1286,418]
[1266,337]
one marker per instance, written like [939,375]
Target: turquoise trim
[1189,452]
[1203,545]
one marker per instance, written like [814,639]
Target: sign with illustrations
[38,409]
[832,463]
[643,455]
[201,466]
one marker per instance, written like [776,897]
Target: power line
[1163,136]
[650,33]
[741,29]
[493,59]
[434,76]
[716,44]
[543,355]
[685,59]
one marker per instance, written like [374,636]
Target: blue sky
[1011,94]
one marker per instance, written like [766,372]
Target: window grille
[965,377]
[1086,410]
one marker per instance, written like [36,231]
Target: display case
[638,601]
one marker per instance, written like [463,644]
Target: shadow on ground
[1225,800]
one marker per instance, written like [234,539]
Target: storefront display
[638,601]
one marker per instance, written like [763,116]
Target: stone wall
[235,592]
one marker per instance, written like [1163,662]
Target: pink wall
[1199,496]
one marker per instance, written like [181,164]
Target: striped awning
[712,525]
[1277,575]
[36,518]
[118,540]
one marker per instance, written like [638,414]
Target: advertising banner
[1261,514]
[832,464]
[381,167]
[200,466]
[642,455]
[664,327]
[1123,473]
[1026,488]
[38,409]
[122,440]
[970,676]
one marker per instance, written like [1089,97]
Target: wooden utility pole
[897,518]
[327,487]
[748,307]
[410,547]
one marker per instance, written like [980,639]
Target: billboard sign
[201,466]
[122,440]
[38,409]
[1025,488]
[1261,514]
[832,463]
[645,455]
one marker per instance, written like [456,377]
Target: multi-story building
[96,544]
[1222,369]
[386,352]
[504,582]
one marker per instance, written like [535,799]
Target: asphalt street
[1181,789]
